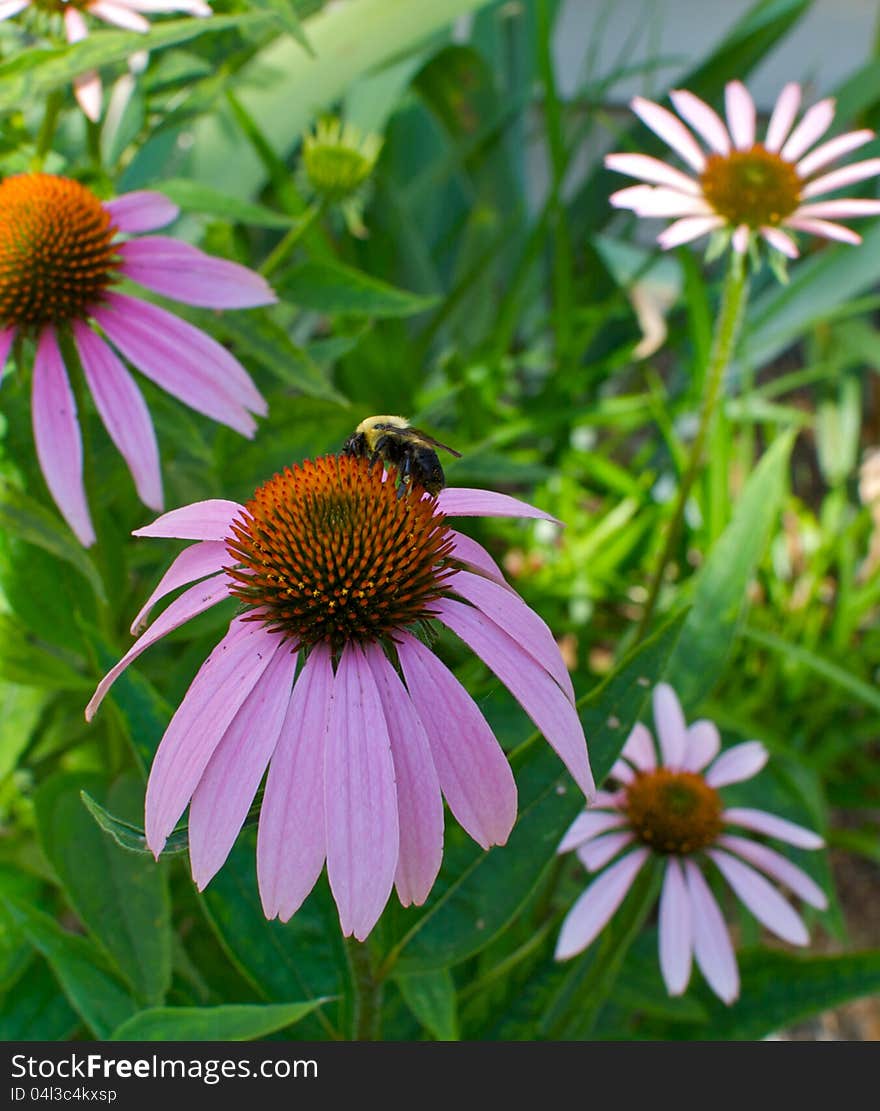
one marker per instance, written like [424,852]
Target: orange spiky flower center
[57,255]
[329,551]
[672,811]
[754,187]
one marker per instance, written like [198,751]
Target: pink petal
[833,149]
[191,7]
[528,682]
[632,197]
[595,854]
[783,116]
[195,562]
[123,411]
[676,930]
[508,611]
[639,748]
[360,798]
[89,94]
[57,437]
[771,825]
[824,229]
[622,772]
[231,777]
[7,338]
[119,15]
[472,769]
[737,763]
[671,130]
[469,551]
[9,8]
[780,242]
[740,114]
[291,839]
[810,130]
[214,697]
[587,825]
[740,240]
[419,802]
[75,26]
[691,227]
[777,866]
[193,601]
[459,501]
[592,911]
[712,946]
[645,168]
[842,208]
[846,175]
[659,201]
[670,725]
[703,119]
[140,211]
[762,899]
[702,746]
[202,520]
[184,273]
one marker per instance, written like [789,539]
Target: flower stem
[726,333]
[367,992]
[54,101]
[286,246]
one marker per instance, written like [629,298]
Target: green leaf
[192,196]
[234,1022]
[330,287]
[431,998]
[24,662]
[80,968]
[33,1010]
[720,594]
[29,521]
[120,897]
[285,13]
[131,836]
[479,903]
[20,711]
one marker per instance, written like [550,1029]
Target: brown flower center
[56,250]
[330,552]
[753,187]
[673,812]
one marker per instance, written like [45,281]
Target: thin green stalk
[366,1021]
[54,101]
[726,332]
[286,246]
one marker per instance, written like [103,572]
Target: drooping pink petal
[703,119]
[592,911]
[123,411]
[360,798]
[824,228]
[832,150]
[9,8]
[141,211]
[687,229]
[771,825]
[631,197]
[469,551]
[473,771]
[846,175]
[671,130]
[676,930]
[779,867]
[227,787]
[622,772]
[702,745]
[841,209]
[201,520]
[783,116]
[57,436]
[291,839]
[589,824]
[119,15]
[419,802]
[528,682]
[595,854]
[214,697]
[184,273]
[712,945]
[659,201]
[7,338]
[670,724]
[737,763]
[762,898]
[740,239]
[645,168]
[195,562]
[810,130]
[508,611]
[780,241]
[740,114]
[89,94]
[193,601]
[639,748]
[460,501]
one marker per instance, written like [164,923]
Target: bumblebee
[411,451]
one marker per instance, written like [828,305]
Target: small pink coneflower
[120,13]
[738,184]
[60,254]
[325,672]
[673,809]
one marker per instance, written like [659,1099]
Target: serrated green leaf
[130,836]
[193,196]
[243,1022]
[329,287]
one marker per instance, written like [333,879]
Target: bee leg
[405,477]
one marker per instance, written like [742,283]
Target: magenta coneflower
[338,575]
[747,187]
[60,253]
[120,13]
[673,809]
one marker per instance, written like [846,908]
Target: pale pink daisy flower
[672,808]
[61,251]
[338,571]
[120,13]
[738,184]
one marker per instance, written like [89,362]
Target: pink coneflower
[60,253]
[740,185]
[342,576]
[120,13]
[674,810]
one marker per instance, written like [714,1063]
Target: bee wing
[435,443]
